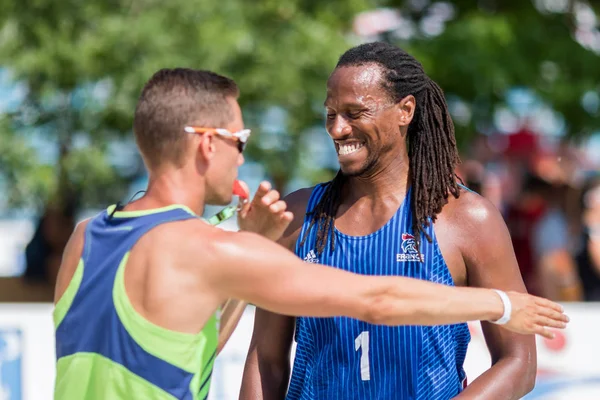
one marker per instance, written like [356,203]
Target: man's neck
[168,188]
[389,180]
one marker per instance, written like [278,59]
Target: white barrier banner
[567,367]
[26,352]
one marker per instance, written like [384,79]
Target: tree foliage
[84,63]
[489,47]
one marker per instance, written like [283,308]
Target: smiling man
[395,208]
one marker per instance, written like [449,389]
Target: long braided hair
[432,150]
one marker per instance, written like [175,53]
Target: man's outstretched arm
[249,267]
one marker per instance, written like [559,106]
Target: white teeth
[345,149]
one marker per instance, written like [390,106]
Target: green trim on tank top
[64,303]
[108,381]
[142,213]
[189,352]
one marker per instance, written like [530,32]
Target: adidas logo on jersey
[311,257]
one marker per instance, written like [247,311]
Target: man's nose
[339,128]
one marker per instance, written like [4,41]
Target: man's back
[114,332]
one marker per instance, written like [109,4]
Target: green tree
[84,63]
[488,47]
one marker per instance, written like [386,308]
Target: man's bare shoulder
[195,239]
[296,203]
[470,211]
[71,256]
[472,219]
[80,227]
[190,234]
[74,247]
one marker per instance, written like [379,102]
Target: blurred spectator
[43,254]
[541,241]
[482,180]
[553,244]
[588,255]
[522,144]
[473,175]
[44,251]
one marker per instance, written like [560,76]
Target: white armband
[507,308]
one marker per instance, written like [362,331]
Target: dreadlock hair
[432,150]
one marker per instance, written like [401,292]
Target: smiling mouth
[344,149]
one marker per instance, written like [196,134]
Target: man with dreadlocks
[394,208]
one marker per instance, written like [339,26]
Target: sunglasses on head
[240,137]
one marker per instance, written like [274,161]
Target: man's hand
[266,214]
[531,314]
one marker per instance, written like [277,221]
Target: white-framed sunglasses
[240,137]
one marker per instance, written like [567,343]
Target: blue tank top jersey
[104,348]
[343,358]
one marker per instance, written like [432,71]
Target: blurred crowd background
[522,79]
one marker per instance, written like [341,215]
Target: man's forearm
[405,301]
[510,378]
[264,381]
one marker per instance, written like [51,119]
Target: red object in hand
[238,190]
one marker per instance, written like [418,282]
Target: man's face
[362,119]
[223,167]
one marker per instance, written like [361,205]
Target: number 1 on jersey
[362,342]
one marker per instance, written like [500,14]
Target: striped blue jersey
[343,358]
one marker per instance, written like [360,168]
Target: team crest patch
[409,250]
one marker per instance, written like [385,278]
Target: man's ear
[406,110]
[206,146]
